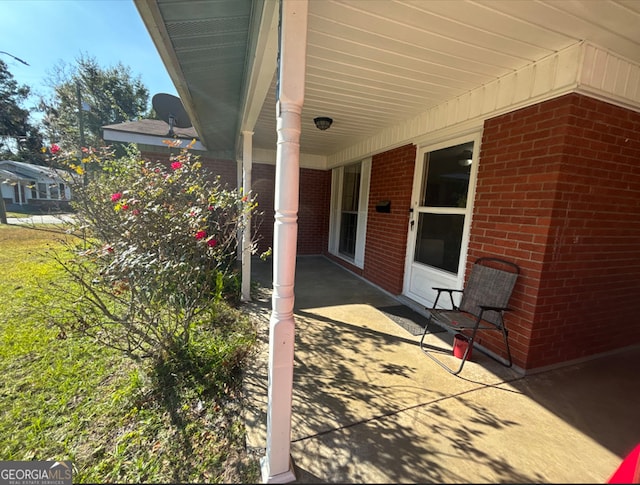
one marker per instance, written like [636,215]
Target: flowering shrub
[157,251]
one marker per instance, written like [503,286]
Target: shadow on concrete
[368,407]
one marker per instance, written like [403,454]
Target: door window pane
[439,239]
[447,177]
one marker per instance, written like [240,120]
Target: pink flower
[201,235]
[135,212]
[212,243]
[125,207]
[116,197]
[176,165]
[55,148]
[210,208]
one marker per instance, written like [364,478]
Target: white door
[440,219]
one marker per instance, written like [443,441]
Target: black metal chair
[483,303]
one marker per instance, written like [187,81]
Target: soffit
[203,44]
[373,63]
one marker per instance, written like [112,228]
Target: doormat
[408,319]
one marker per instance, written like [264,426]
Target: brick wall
[313,213]
[227,169]
[263,180]
[391,179]
[559,193]
[313,208]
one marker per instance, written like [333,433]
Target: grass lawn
[66,398]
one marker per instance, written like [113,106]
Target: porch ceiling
[370,63]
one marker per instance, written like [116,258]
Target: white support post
[247,155]
[277,466]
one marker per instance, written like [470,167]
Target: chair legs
[467,351]
[506,344]
[428,353]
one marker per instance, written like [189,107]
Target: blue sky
[49,32]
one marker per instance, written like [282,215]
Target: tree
[19,139]
[87,97]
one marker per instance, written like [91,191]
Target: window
[349,198]
[42,190]
[53,191]
[349,210]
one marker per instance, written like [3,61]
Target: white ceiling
[371,63]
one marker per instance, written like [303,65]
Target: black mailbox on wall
[383,206]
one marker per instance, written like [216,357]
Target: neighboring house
[460,130]
[148,132]
[26,184]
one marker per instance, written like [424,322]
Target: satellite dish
[170,109]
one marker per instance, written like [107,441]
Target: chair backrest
[490,282]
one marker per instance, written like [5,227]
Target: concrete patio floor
[370,407]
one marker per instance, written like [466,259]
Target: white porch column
[247,156]
[276,465]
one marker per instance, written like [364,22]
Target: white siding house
[26,184]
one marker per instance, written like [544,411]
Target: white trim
[264,67]
[268,156]
[334,210]
[363,211]
[247,144]
[337,177]
[276,465]
[548,78]
[138,138]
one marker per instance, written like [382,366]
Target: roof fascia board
[139,138]
[262,65]
[28,169]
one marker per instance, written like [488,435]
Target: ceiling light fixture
[322,122]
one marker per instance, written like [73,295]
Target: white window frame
[337,175]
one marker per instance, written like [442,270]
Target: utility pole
[3,207]
[81,126]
